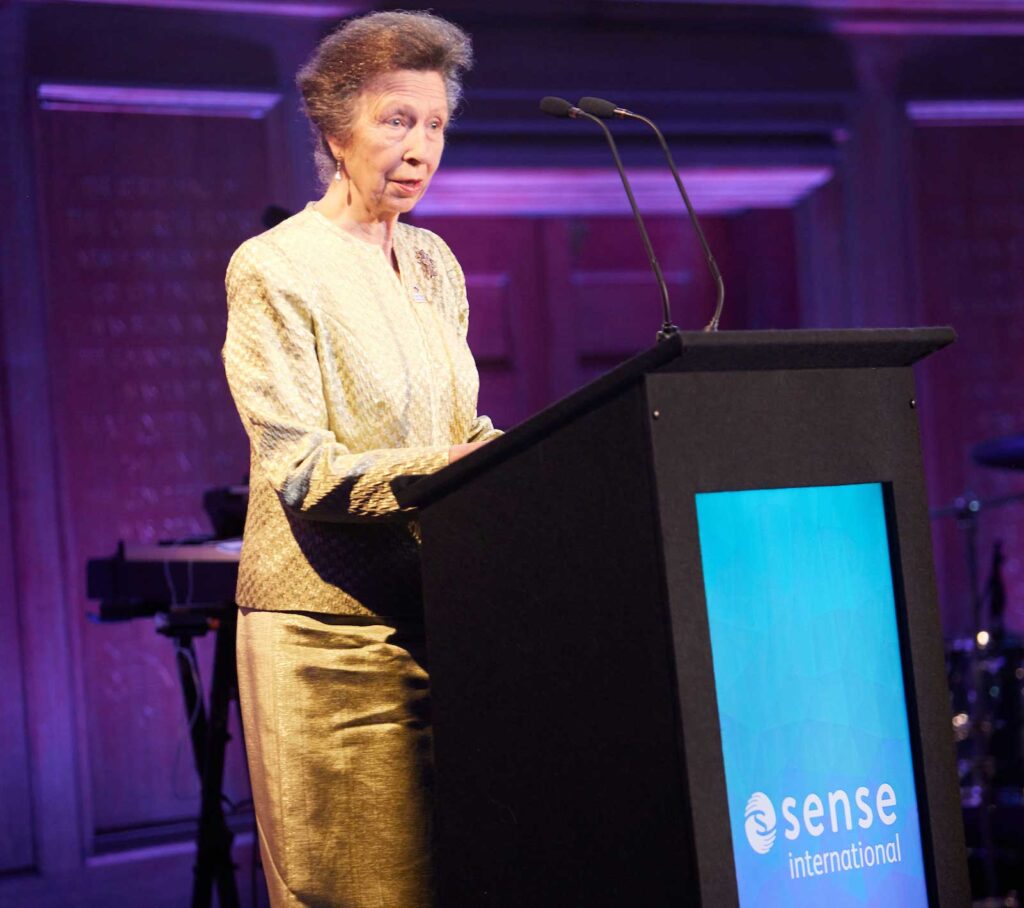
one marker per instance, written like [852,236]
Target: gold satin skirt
[337,732]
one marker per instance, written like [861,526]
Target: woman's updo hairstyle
[362,48]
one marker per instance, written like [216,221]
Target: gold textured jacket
[346,376]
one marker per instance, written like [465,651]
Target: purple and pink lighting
[856,163]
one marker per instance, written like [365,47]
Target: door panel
[606,305]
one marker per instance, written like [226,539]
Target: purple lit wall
[970,273]
[856,164]
[140,212]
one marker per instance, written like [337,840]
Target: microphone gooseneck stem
[712,264]
[667,328]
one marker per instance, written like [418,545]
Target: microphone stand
[558,107]
[605,109]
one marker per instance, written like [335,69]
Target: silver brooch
[426,263]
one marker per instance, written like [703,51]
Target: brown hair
[365,47]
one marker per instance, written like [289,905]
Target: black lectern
[584,754]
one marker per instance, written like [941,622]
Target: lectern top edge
[872,348]
[694,351]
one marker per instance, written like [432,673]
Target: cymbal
[967,506]
[1006,452]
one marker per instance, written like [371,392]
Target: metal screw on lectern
[656,414]
[913,403]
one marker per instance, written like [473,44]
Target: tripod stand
[209,733]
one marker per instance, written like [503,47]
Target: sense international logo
[838,813]
[759,822]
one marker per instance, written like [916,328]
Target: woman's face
[396,142]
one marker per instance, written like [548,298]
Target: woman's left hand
[457,452]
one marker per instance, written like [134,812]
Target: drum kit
[986,679]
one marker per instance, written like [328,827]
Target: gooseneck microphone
[559,107]
[598,107]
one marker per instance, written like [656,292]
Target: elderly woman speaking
[347,358]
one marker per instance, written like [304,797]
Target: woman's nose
[416,145]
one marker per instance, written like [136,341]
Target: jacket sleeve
[273,371]
[482,429]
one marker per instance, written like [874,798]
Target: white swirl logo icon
[759,822]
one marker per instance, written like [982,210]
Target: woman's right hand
[457,452]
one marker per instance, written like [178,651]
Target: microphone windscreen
[555,107]
[598,107]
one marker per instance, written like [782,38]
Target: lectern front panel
[811,698]
[808,434]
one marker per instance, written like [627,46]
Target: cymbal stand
[966,510]
[969,509]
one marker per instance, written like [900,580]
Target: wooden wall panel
[606,304]
[141,214]
[507,307]
[556,302]
[969,203]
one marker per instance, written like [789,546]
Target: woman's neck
[337,205]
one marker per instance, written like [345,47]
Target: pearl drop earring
[337,170]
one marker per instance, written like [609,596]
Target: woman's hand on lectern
[457,452]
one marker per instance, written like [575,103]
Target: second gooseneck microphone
[559,107]
[598,107]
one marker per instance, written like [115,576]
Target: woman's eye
[394,121]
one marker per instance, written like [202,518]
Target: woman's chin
[403,206]
[388,205]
